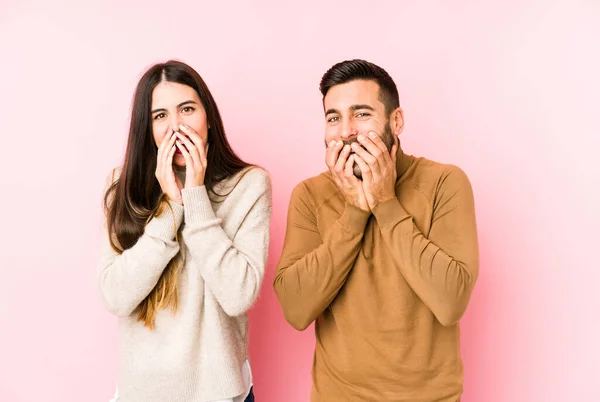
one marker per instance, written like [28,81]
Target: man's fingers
[365,168]
[333,152]
[342,159]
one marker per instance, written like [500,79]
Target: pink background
[509,91]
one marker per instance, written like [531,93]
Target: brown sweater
[386,289]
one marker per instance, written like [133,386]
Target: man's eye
[362,115]
[332,119]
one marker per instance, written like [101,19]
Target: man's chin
[357,172]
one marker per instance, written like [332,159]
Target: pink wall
[509,91]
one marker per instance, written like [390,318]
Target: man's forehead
[351,93]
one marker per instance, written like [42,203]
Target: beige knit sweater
[196,354]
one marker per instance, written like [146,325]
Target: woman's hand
[169,183]
[194,151]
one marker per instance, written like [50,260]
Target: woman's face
[174,104]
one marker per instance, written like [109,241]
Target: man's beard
[388,140]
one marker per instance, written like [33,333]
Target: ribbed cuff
[167,224]
[354,219]
[197,206]
[390,212]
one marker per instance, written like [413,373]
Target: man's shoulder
[425,168]
[315,190]
[428,175]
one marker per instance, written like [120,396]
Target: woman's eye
[159,116]
[187,109]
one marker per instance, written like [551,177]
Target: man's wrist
[381,200]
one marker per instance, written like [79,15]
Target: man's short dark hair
[357,69]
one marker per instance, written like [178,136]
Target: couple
[380,251]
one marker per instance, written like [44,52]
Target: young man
[381,251]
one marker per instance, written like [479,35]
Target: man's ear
[397,121]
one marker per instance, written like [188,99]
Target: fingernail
[354,145]
[361,137]
[182,127]
[332,143]
[372,135]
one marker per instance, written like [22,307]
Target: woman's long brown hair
[135,196]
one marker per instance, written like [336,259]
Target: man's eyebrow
[358,107]
[353,108]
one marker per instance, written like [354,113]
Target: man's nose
[348,130]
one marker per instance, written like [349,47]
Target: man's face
[352,109]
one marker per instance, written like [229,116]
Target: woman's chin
[178,160]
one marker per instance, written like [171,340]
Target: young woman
[184,253]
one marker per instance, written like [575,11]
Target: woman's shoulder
[256,178]
[255,175]
[253,179]
[113,176]
[109,189]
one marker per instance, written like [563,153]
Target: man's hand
[340,165]
[378,167]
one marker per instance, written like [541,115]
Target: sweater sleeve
[312,269]
[443,267]
[127,279]
[232,268]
